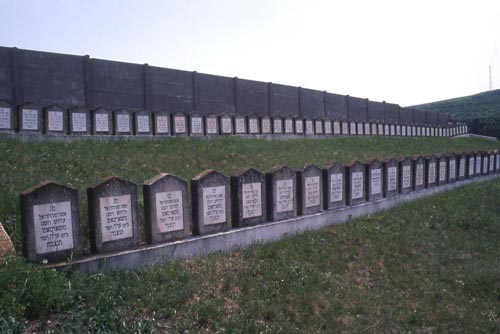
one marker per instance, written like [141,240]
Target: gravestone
[265,125]
[428,131]
[492,162]
[253,125]
[281,189]
[497,161]
[374,129]
[442,170]
[360,130]
[102,123]
[413,131]
[165,209]
[211,203]
[113,215]
[196,124]
[334,180]
[336,128]
[356,183]
[419,175]
[54,118]
[226,124]
[375,177]
[50,223]
[345,128]
[289,125]
[299,126]
[7,117]
[408,130]
[452,167]
[123,122]
[419,131]
[277,125]
[405,175]
[309,124]
[79,121]
[248,196]
[162,123]
[393,129]
[142,123]
[471,165]
[309,190]
[398,130]
[380,130]
[462,166]
[318,126]
[211,125]
[485,164]
[387,131]
[431,171]
[478,160]
[403,131]
[367,129]
[328,127]
[352,128]
[6,245]
[30,120]
[240,125]
[391,177]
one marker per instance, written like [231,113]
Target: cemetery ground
[425,266]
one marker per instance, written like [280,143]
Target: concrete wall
[376,111]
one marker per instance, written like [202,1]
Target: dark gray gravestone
[485,156]
[55,120]
[398,130]
[367,129]
[442,170]
[240,125]
[79,121]
[334,181]
[406,175]
[165,209]
[431,168]
[403,130]
[211,125]
[253,125]
[393,129]
[328,127]
[387,129]
[497,161]
[102,123]
[318,126]
[265,125]
[452,167]
[492,162]
[211,202]
[142,123]
[50,223]
[380,129]
[299,126]
[226,124]
[277,125]
[360,129]
[336,128]
[356,183]
[375,182]
[162,123]
[196,124]
[113,215]
[309,190]
[391,177]
[248,196]
[30,119]
[344,128]
[419,172]
[180,126]
[309,126]
[479,160]
[288,125]
[123,122]
[471,165]
[281,189]
[352,128]
[374,129]
[462,166]
[7,117]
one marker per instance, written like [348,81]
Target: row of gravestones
[50,217]
[79,121]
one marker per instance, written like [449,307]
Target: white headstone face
[328,127]
[266,125]
[360,128]
[284,195]
[309,127]
[169,211]
[252,200]
[478,165]
[374,129]
[143,124]
[406,177]
[492,163]
[353,128]
[101,123]
[180,124]
[392,177]
[240,125]
[196,125]
[498,162]
[336,127]
[419,175]
[408,130]
[452,169]
[442,171]
[336,187]
[211,125]
[116,217]
[214,205]
[288,125]
[253,125]
[393,131]
[53,227]
[318,127]
[485,164]
[162,125]
[55,119]
[123,123]
[403,131]
[299,126]
[471,166]
[5,119]
[386,129]
[376,181]
[413,131]
[312,191]
[367,129]
[427,132]
[30,119]
[357,187]
[380,129]
[398,130]
[79,122]
[432,172]
[419,131]
[345,130]
[277,126]
[226,125]
[461,168]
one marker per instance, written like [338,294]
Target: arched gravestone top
[248,197]
[334,194]
[211,202]
[309,190]
[50,223]
[113,215]
[165,208]
[7,117]
[281,196]
[29,118]
[102,121]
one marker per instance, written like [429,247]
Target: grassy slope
[484,105]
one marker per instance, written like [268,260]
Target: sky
[405,52]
